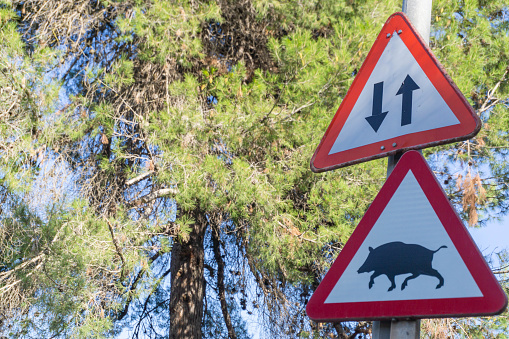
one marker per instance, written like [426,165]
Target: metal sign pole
[419,13]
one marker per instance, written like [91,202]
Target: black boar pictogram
[397,258]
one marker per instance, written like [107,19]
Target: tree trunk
[188,283]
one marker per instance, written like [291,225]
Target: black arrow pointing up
[377,116]
[407,87]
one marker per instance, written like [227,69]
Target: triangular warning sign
[409,257]
[401,99]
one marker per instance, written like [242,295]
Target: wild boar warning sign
[409,257]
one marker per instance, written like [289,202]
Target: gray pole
[419,14]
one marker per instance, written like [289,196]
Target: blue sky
[493,237]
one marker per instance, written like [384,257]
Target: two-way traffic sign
[401,99]
[409,257]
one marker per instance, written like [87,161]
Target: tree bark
[188,283]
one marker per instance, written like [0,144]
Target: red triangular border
[469,125]
[493,301]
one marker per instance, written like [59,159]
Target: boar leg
[393,283]
[405,283]
[435,273]
[372,278]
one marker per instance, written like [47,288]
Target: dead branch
[220,283]
[154,195]
[139,178]
[118,248]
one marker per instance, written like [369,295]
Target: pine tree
[155,159]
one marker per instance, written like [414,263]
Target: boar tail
[443,246]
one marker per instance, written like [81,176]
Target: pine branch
[340,331]
[145,313]
[11,285]
[7,274]
[501,272]
[490,100]
[154,195]
[118,248]
[139,178]
[134,285]
[220,283]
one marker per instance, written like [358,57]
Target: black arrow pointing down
[377,116]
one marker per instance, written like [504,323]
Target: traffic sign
[409,257]
[401,99]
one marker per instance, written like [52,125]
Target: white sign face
[408,218]
[398,99]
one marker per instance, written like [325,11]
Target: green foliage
[207,112]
